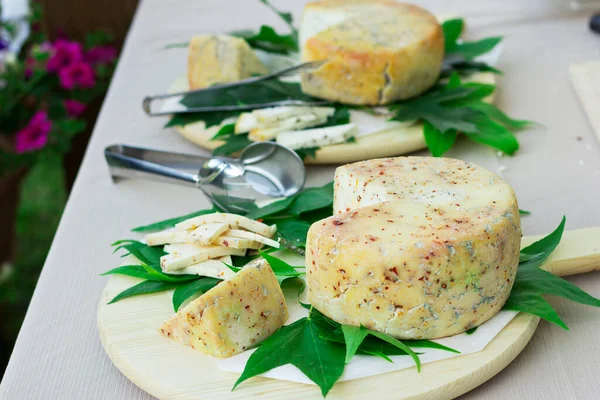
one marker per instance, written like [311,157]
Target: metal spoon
[263,170]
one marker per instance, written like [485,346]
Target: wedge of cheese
[233,316]
[168,236]
[418,248]
[216,59]
[378,51]
[207,233]
[317,137]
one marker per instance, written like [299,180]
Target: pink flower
[78,74]
[101,55]
[35,135]
[64,54]
[74,108]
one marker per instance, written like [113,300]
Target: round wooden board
[387,143]
[168,370]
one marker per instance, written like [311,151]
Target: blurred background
[56,60]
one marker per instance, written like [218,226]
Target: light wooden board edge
[388,143]
[167,369]
[585,78]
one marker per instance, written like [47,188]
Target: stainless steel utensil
[263,170]
[147,102]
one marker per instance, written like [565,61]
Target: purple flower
[3,44]
[64,54]
[74,108]
[78,74]
[101,55]
[35,135]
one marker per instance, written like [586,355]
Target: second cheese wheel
[428,247]
[379,52]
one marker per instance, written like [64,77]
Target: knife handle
[577,253]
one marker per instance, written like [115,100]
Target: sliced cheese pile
[233,316]
[377,51]
[268,123]
[418,248]
[201,244]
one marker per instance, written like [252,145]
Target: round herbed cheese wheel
[380,52]
[418,248]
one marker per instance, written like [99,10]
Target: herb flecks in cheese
[233,316]
[418,248]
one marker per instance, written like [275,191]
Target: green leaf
[181,45]
[438,142]
[493,134]
[430,345]
[353,336]
[226,130]
[452,29]
[533,303]
[470,50]
[267,39]
[280,268]
[312,199]
[184,292]
[461,66]
[301,345]
[340,116]
[496,114]
[285,16]
[146,254]
[144,288]
[471,331]
[293,232]
[171,222]
[210,118]
[532,282]
[395,342]
[543,247]
[524,212]
[307,152]
[135,271]
[233,144]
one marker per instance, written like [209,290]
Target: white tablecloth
[58,354]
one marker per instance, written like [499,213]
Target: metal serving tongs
[147,102]
[263,170]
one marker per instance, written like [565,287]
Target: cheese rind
[377,52]
[234,315]
[419,248]
[216,59]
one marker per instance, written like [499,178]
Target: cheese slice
[175,261]
[245,123]
[237,233]
[290,124]
[235,315]
[168,236]
[377,52]
[317,137]
[238,243]
[233,220]
[207,233]
[216,59]
[211,268]
[418,248]
[274,115]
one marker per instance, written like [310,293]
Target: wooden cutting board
[168,370]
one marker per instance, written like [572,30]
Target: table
[58,354]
